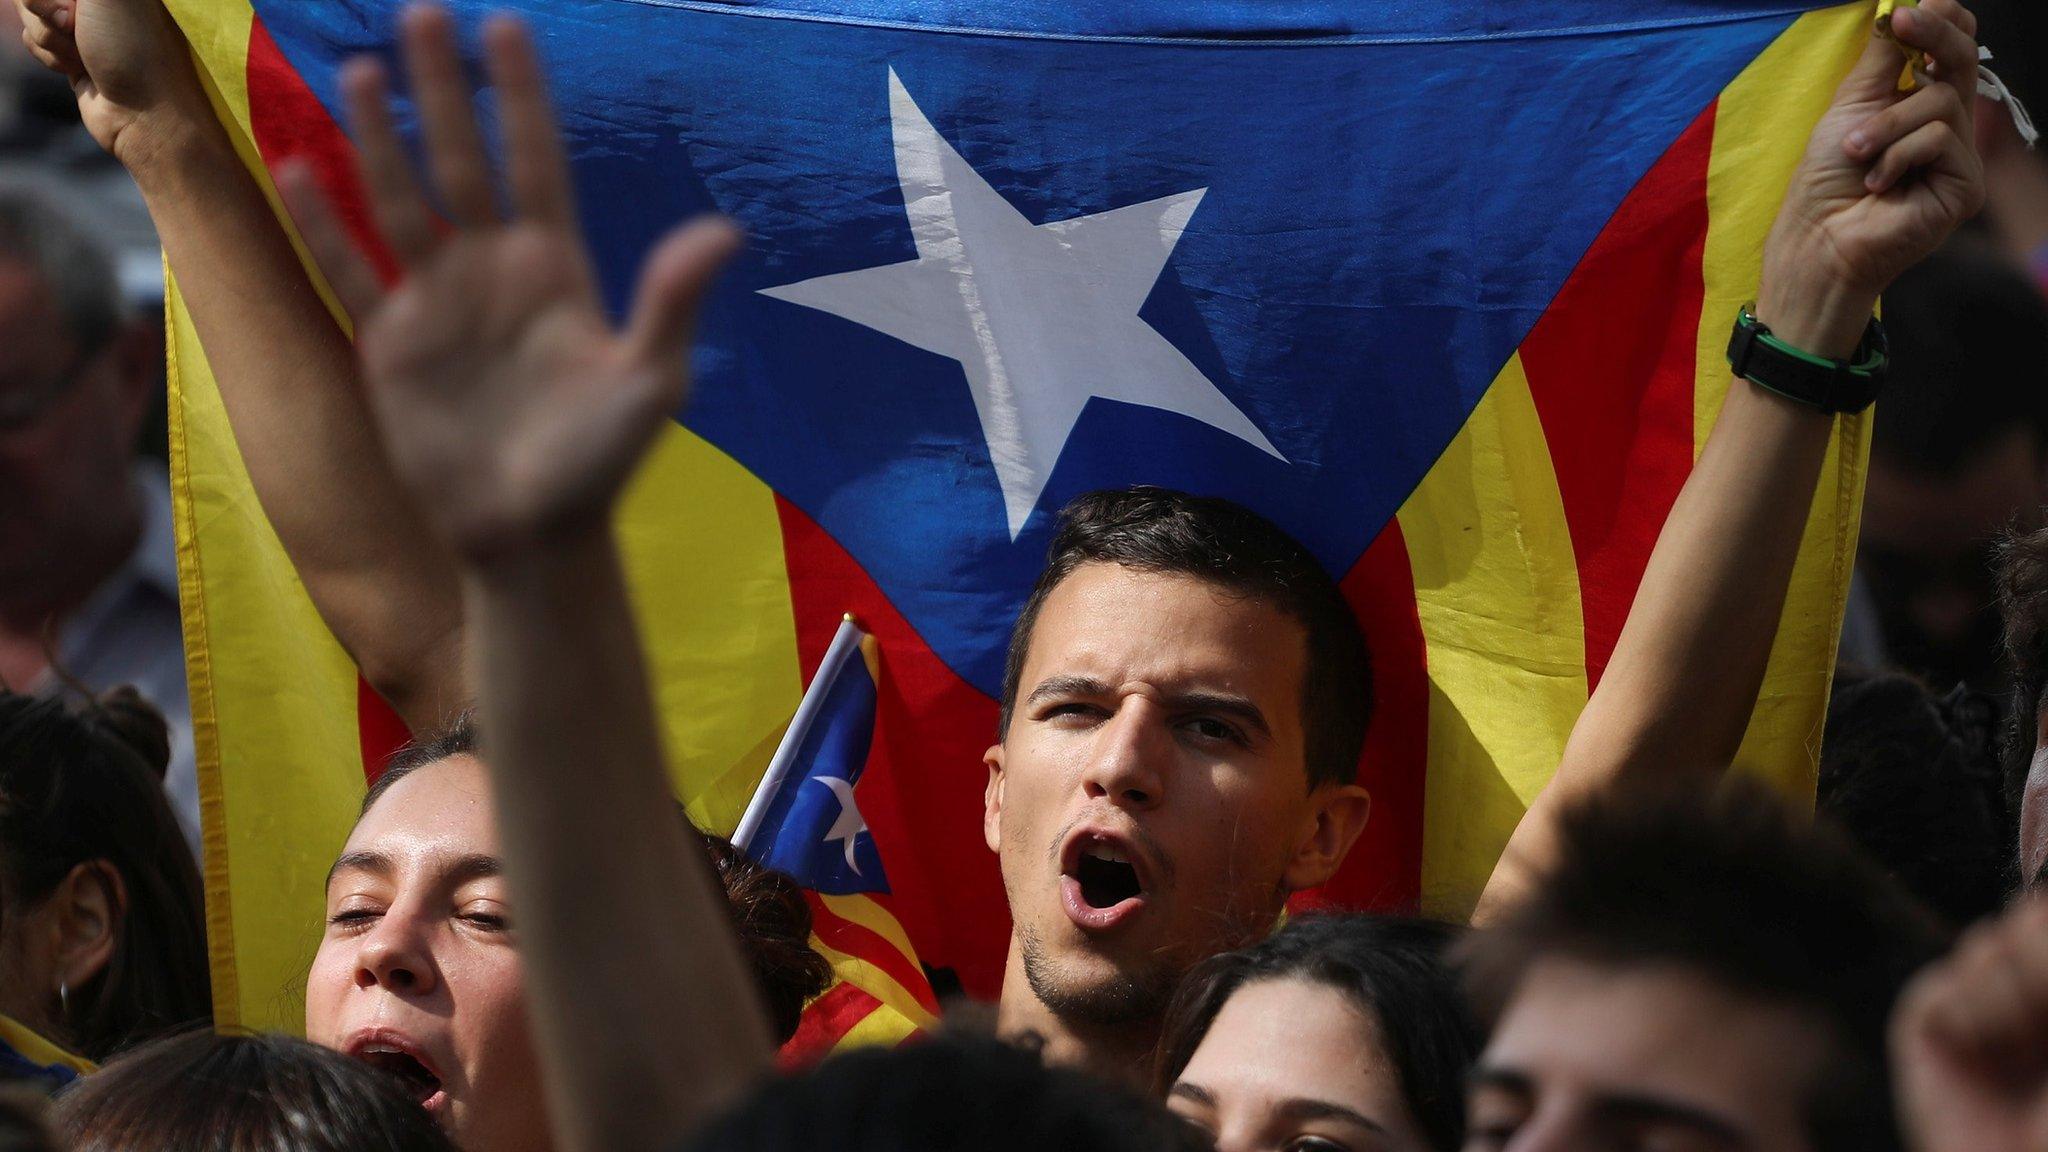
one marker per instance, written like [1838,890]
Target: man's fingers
[1925,146]
[353,281]
[53,49]
[1953,50]
[673,285]
[536,167]
[1932,104]
[394,195]
[441,90]
[1955,13]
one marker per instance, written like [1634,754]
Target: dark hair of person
[768,908]
[1394,969]
[85,784]
[950,1094]
[1914,779]
[2023,604]
[25,1120]
[1158,530]
[203,1092]
[1729,884]
[1969,347]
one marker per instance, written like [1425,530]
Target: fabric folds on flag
[1443,293]
[805,820]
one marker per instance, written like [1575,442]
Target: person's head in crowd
[204,1092]
[418,971]
[950,1094]
[102,929]
[1700,970]
[1959,453]
[76,376]
[1183,710]
[1913,777]
[1335,1033]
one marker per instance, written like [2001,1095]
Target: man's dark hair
[84,784]
[1914,779]
[201,1092]
[1158,530]
[1394,969]
[2023,604]
[1969,347]
[952,1094]
[1730,885]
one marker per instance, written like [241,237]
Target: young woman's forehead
[443,808]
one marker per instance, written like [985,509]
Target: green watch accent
[1760,357]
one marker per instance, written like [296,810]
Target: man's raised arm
[286,372]
[1886,178]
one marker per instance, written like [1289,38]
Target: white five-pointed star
[1042,318]
[850,824]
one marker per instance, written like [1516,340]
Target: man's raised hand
[126,62]
[511,406]
[1970,1041]
[1886,178]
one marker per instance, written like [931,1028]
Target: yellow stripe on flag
[885,1027]
[1497,592]
[875,982]
[1760,131]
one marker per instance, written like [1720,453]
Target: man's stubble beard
[1126,998]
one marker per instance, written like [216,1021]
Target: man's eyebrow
[1222,702]
[361,860]
[1055,686]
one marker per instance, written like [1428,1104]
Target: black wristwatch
[1829,385]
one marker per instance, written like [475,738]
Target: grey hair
[37,231]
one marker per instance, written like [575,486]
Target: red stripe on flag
[289,122]
[378,728]
[922,789]
[1612,366]
[1384,870]
[864,943]
[825,1022]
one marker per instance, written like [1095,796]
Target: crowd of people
[528,947]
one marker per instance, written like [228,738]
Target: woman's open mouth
[405,1063]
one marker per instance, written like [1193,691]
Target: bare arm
[286,371]
[1678,693]
[515,438]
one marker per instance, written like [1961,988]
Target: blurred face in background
[418,970]
[1926,549]
[69,417]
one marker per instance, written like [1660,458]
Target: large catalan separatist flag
[1441,287]
[805,820]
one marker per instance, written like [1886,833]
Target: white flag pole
[845,645]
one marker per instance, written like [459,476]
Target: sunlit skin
[1165,713]
[1659,1059]
[419,950]
[1294,1066]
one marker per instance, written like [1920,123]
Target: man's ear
[992,799]
[1339,813]
[88,904]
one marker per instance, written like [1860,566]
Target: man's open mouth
[1107,878]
